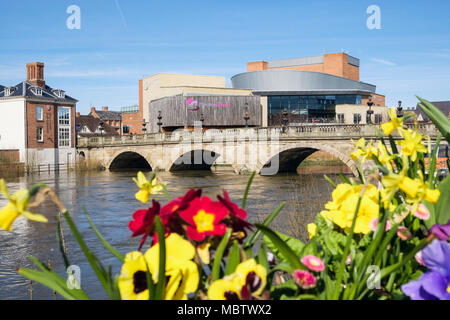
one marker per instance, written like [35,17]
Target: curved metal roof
[300,82]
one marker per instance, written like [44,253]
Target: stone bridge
[266,150]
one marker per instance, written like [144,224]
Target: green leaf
[262,257]
[443,204]
[234,259]
[161,285]
[247,189]
[215,272]
[288,289]
[294,244]
[60,242]
[329,180]
[105,243]
[284,250]
[92,258]
[439,119]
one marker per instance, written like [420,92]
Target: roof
[109,115]
[93,124]
[444,106]
[28,90]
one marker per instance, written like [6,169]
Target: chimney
[78,114]
[35,74]
[104,108]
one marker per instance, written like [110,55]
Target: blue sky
[121,41]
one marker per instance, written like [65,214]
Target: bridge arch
[196,159]
[288,157]
[129,160]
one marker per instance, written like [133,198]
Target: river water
[109,198]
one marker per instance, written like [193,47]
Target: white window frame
[42,113]
[41,138]
[64,128]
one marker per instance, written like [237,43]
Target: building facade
[37,122]
[307,89]
[111,118]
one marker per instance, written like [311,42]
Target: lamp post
[285,119]
[246,115]
[399,110]
[370,111]
[159,123]
[144,124]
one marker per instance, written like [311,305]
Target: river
[109,198]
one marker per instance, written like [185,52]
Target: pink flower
[313,263]
[373,225]
[404,233]
[422,212]
[304,279]
[349,260]
[419,259]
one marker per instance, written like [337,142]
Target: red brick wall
[49,125]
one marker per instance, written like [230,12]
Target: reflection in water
[109,198]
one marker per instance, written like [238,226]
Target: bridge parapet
[305,132]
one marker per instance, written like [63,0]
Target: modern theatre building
[271,93]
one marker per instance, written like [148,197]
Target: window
[340,118]
[37,91]
[39,113]
[378,118]
[126,129]
[64,116]
[356,118]
[64,127]
[9,91]
[40,134]
[60,93]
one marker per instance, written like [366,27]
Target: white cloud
[385,62]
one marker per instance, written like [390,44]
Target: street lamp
[285,118]
[159,123]
[144,124]
[246,115]
[101,127]
[370,111]
[399,110]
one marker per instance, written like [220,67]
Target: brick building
[111,118]
[37,122]
[89,126]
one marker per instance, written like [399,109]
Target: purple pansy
[441,231]
[435,284]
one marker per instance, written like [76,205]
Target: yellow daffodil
[395,123]
[228,288]
[342,208]
[17,206]
[384,156]
[146,187]
[362,151]
[133,278]
[312,230]
[180,269]
[416,190]
[412,144]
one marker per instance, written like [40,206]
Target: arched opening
[288,161]
[129,161]
[195,160]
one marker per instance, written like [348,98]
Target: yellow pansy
[412,144]
[247,281]
[146,187]
[182,271]
[252,275]
[395,123]
[312,230]
[342,208]
[228,288]
[17,206]
[203,252]
[362,151]
[133,278]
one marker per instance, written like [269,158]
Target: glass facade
[292,110]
